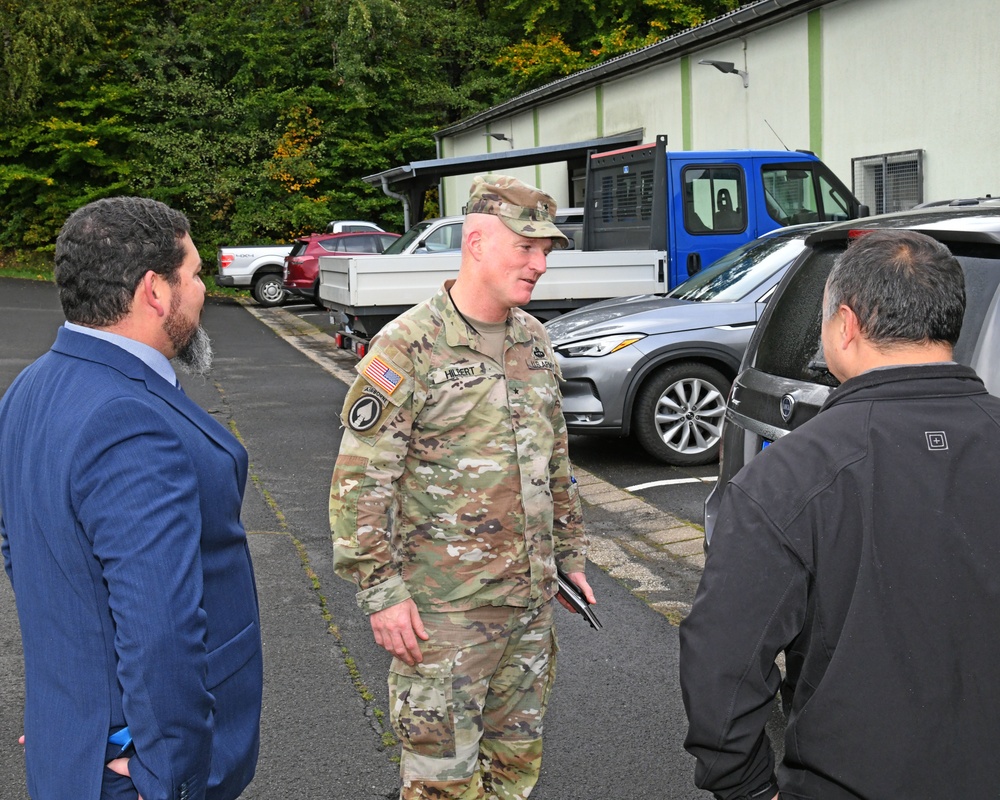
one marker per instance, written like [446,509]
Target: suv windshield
[790,346]
[734,275]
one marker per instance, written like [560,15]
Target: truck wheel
[316,301]
[678,414]
[268,291]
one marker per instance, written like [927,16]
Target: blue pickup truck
[699,205]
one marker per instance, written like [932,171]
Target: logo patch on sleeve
[382,375]
[365,413]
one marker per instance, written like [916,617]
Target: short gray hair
[904,287]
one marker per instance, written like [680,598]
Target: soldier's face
[513,264]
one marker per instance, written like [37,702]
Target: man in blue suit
[120,524]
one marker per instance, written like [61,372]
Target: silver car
[659,367]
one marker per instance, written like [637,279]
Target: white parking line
[674,482]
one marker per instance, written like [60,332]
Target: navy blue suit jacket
[120,512]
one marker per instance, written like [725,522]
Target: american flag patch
[382,375]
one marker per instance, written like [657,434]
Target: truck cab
[699,205]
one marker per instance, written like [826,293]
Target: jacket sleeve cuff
[379,597]
[573,561]
[765,792]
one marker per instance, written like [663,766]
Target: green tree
[259,118]
[563,36]
[38,40]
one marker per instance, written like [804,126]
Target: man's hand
[579,580]
[120,765]
[397,629]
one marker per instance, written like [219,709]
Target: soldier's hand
[580,581]
[397,629]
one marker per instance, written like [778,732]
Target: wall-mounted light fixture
[502,137]
[729,68]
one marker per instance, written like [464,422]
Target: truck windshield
[804,193]
[403,242]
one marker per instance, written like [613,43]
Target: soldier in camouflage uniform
[453,501]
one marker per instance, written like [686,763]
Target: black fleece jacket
[866,546]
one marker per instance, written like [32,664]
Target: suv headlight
[600,346]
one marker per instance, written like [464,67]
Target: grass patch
[33,265]
[29,264]
[212,289]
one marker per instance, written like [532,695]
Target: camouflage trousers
[469,716]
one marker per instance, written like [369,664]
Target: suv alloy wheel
[679,411]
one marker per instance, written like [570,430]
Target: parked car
[659,367]
[352,226]
[783,379]
[256,267]
[301,272]
[439,235]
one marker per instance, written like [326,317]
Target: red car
[302,263]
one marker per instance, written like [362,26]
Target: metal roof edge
[737,22]
[460,165]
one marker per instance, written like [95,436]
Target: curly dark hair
[105,248]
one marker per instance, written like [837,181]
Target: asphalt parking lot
[616,723]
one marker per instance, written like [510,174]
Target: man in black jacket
[865,546]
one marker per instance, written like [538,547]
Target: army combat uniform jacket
[453,485]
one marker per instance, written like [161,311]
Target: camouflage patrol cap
[524,209]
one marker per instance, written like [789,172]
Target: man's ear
[152,293]
[474,242]
[849,325]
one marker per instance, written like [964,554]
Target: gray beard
[195,358]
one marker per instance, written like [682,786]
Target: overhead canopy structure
[409,182]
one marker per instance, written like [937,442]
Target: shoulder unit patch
[364,413]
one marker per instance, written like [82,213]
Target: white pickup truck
[260,268]
[365,293]
[257,268]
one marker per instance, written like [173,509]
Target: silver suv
[783,379]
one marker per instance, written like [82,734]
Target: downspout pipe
[402,198]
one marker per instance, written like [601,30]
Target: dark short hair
[105,248]
[904,287]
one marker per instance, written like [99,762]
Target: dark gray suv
[783,379]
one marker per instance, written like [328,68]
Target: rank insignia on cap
[382,375]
